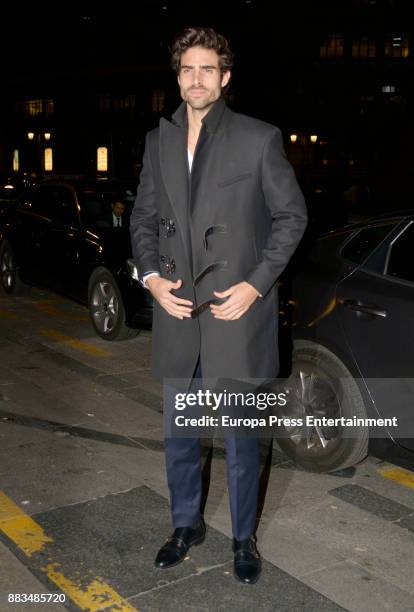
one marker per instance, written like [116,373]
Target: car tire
[9,273]
[320,384]
[106,307]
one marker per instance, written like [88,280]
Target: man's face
[118,209]
[200,77]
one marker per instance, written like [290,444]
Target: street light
[298,139]
[302,151]
[40,158]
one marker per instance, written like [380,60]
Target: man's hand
[240,298]
[161,290]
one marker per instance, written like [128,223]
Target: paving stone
[358,590]
[117,537]
[372,502]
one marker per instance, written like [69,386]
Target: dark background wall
[340,70]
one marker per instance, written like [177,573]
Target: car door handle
[370,309]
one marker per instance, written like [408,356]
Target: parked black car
[11,190]
[353,353]
[60,235]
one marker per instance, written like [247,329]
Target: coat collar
[211,120]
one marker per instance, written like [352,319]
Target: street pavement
[84,502]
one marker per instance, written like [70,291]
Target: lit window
[332,46]
[397,45]
[48,107]
[158,99]
[388,89]
[102,159]
[34,107]
[48,159]
[15,160]
[364,47]
[39,107]
[109,103]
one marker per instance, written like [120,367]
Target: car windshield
[102,209]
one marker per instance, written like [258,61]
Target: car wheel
[106,307]
[9,274]
[322,386]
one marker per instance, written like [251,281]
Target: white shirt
[190,159]
[115,221]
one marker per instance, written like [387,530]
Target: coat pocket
[234,179]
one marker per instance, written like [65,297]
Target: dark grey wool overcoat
[237,217]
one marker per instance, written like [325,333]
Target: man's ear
[225,78]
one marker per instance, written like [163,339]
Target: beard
[199,102]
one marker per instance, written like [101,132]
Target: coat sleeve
[144,220]
[286,204]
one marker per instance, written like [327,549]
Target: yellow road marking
[8,314]
[80,345]
[48,308]
[97,596]
[92,594]
[20,528]
[403,477]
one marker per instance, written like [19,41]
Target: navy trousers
[183,465]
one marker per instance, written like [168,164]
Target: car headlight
[132,269]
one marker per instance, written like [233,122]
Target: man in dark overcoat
[217,217]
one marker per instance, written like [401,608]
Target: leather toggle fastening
[168,226]
[197,311]
[169,263]
[217,265]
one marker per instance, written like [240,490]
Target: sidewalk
[84,503]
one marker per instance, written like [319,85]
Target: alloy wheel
[7,269]
[313,395]
[104,306]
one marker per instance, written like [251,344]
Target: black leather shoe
[247,563]
[177,545]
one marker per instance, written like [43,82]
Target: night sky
[278,74]
[62,38]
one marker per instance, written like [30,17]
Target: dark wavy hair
[202,37]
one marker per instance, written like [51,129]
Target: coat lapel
[184,194]
[174,171]
[208,158]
